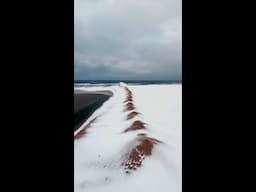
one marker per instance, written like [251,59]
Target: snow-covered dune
[132,142]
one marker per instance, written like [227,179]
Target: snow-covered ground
[100,152]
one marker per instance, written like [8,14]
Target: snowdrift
[132,142]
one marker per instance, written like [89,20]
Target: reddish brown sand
[135,126]
[82,132]
[128,100]
[129,95]
[127,89]
[137,154]
[129,104]
[130,108]
[132,114]
[128,92]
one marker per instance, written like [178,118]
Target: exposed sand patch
[136,125]
[132,114]
[129,99]
[146,159]
[128,91]
[130,104]
[129,108]
[82,132]
[144,146]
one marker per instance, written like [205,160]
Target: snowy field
[109,157]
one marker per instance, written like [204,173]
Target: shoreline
[86,102]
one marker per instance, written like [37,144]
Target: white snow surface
[99,153]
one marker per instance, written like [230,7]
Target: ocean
[130,82]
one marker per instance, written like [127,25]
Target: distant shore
[131,82]
[86,102]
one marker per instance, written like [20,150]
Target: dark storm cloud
[128,39]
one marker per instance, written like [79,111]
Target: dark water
[139,82]
[85,105]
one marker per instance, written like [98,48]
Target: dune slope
[132,142]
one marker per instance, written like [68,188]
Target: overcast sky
[128,39]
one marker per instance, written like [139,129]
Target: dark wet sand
[86,102]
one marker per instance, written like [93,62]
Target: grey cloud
[128,39]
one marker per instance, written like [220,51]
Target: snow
[99,154]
